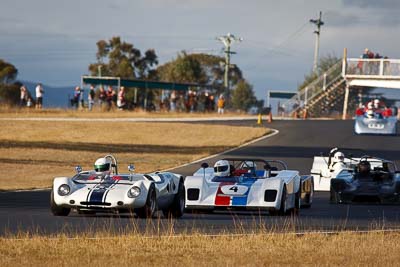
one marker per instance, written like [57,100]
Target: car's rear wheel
[149,209]
[334,198]
[177,207]
[57,210]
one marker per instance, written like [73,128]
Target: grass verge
[259,249]
[32,153]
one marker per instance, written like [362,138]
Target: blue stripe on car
[242,200]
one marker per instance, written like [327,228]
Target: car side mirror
[204,165]
[131,168]
[78,169]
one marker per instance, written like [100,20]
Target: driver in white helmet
[222,168]
[102,165]
[337,162]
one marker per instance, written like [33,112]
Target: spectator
[121,103]
[173,99]
[76,98]
[110,93]
[221,104]
[91,96]
[102,96]
[23,96]
[39,96]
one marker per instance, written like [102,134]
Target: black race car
[373,180]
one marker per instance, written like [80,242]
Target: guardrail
[382,68]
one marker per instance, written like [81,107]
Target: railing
[321,83]
[372,68]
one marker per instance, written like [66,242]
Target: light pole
[318,22]
[227,40]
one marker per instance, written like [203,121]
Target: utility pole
[318,22]
[227,40]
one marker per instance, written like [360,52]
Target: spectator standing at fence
[110,93]
[221,104]
[102,96]
[173,99]
[76,98]
[121,103]
[91,96]
[39,96]
[23,96]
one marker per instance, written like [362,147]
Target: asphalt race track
[296,144]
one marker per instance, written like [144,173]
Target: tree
[9,89]
[198,68]
[8,72]
[122,59]
[243,96]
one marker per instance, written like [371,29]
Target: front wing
[385,126]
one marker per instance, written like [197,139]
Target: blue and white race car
[249,184]
[105,190]
[379,121]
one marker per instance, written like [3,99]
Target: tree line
[115,57]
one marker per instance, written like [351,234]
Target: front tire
[283,208]
[177,208]
[57,210]
[149,209]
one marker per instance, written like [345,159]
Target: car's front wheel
[177,207]
[57,210]
[150,208]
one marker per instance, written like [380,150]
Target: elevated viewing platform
[381,72]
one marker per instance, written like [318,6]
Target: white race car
[250,184]
[326,168]
[105,190]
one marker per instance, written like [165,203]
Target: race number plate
[234,189]
[376,126]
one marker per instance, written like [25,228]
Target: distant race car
[373,180]
[248,184]
[105,190]
[381,121]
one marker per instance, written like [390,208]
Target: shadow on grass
[112,148]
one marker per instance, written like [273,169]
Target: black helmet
[364,167]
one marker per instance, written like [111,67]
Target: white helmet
[370,113]
[222,168]
[338,157]
[376,103]
[102,164]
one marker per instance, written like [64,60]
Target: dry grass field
[259,249]
[32,153]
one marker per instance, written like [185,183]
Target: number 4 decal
[234,188]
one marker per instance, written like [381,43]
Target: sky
[54,41]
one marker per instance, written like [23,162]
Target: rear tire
[177,208]
[333,199]
[57,210]
[150,208]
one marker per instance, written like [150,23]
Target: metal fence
[373,68]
